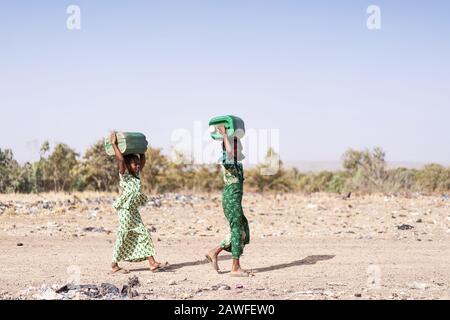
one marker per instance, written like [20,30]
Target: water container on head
[235,126]
[128,143]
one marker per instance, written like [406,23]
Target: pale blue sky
[314,71]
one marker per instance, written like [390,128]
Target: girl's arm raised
[228,146]
[119,155]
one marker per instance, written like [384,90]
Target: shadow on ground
[177,266]
[306,261]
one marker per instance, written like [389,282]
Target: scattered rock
[108,289]
[2,207]
[89,290]
[405,227]
[134,282]
[132,294]
[154,203]
[336,284]
[47,205]
[94,229]
[172,283]
[20,244]
[128,289]
[220,287]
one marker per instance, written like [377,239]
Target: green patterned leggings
[239,231]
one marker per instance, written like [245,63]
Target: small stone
[358,295]
[107,288]
[46,205]
[336,284]
[20,244]
[133,294]
[405,227]
[93,229]
[224,287]
[172,283]
[133,282]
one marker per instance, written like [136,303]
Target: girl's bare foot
[212,258]
[116,269]
[157,266]
[240,273]
[237,271]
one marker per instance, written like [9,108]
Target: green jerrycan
[235,126]
[128,143]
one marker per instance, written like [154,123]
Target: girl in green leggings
[239,236]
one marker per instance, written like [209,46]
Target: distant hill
[316,166]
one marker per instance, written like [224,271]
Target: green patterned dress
[134,242]
[239,236]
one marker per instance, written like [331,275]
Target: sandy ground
[303,247]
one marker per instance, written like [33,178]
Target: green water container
[128,143]
[235,127]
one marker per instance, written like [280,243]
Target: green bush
[62,170]
[434,178]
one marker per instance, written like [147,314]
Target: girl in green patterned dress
[133,243]
[232,206]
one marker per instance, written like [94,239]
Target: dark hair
[130,158]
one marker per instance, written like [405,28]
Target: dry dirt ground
[317,246]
